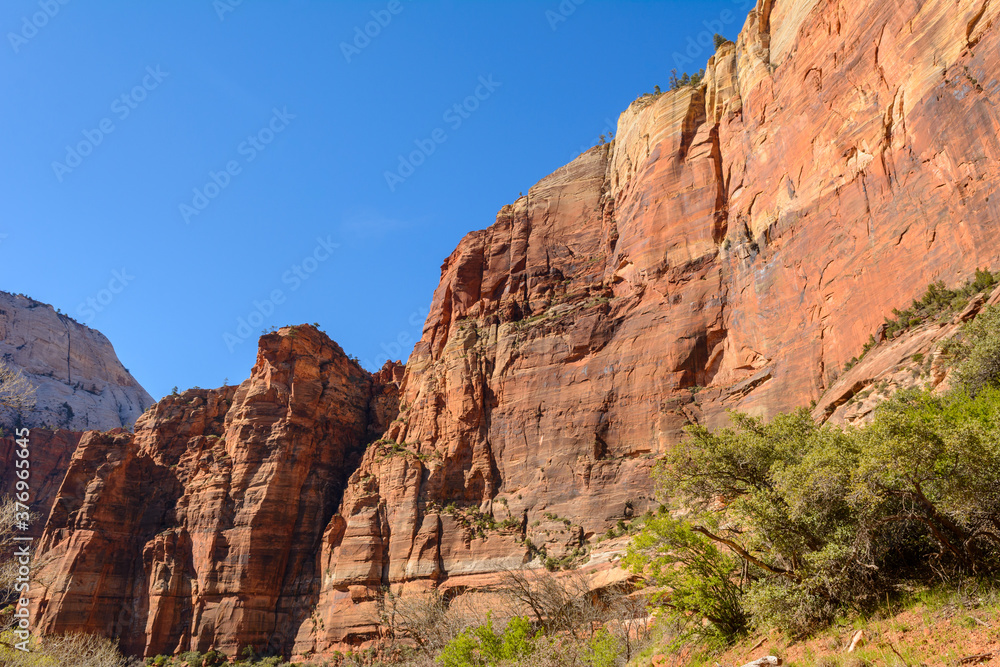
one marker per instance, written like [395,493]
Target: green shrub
[702,578]
[603,649]
[980,352]
[481,646]
[214,658]
[786,524]
[932,463]
[193,658]
[678,82]
[935,302]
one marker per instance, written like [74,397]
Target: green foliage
[719,40]
[677,82]
[510,523]
[193,658]
[936,301]
[703,580]
[482,645]
[215,658]
[933,462]
[603,649]
[788,524]
[980,352]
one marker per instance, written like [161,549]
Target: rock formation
[214,508]
[80,384]
[732,248]
[50,454]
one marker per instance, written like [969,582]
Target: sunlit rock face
[732,248]
[79,382]
[202,528]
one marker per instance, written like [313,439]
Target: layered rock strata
[201,530]
[732,248]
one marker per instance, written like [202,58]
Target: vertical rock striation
[732,247]
[201,530]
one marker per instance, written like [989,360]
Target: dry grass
[938,628]
[75,650]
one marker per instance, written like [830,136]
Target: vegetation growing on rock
[790,524]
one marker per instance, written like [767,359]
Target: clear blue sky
[265,91]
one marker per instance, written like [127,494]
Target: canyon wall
[732,248]
[50,454]
[200,529]
[79,382]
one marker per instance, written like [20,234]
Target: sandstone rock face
[913,359]
[202,529]
[731,248]
[80,384]
[49,457]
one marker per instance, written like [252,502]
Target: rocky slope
[732,248]
[80,383]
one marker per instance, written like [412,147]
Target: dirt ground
[921,635]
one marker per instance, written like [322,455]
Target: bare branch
[16,391]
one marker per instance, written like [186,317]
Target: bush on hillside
[938,300]
[980,352]
[482,646]
[685,79]
[820,519]
[703,580]
[77,650]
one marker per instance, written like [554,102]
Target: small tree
[428,620]
[77,650]
[980,367]
[704,582]
[686,79]
[719,40]
[931,464]
[482,646]
[556,603]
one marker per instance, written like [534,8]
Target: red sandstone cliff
[732,248]
[51,452]
[201,529]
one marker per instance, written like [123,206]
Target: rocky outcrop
[202,529]
[732,248]
[915,358]
[79,382]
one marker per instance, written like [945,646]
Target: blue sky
[169,167]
